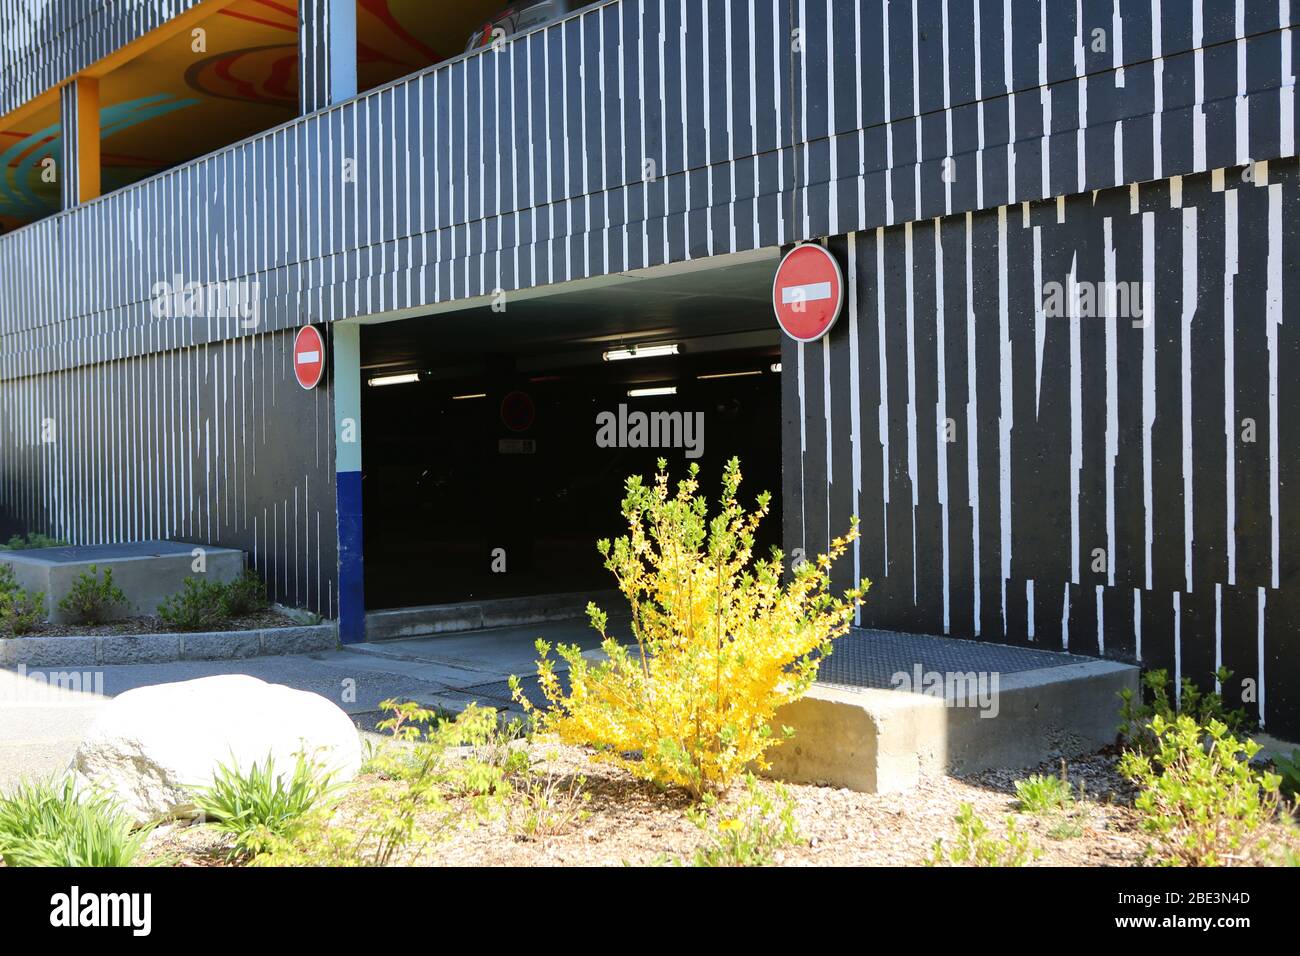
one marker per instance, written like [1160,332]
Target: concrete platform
[148,572]
[891,709]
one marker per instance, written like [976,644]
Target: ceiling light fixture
[640,351]
[650,392]
[405,378]
[729,374]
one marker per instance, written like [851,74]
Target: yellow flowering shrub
[720,642]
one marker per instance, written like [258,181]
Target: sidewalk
[40,726]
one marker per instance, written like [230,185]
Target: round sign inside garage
[308,356]
[518,411]
[808,292]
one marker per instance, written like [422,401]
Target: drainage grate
[864,658]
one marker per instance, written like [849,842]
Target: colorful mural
[234,76]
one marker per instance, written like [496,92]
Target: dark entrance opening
[496,444]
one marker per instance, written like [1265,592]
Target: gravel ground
[631,822]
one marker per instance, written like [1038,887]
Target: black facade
[958,154]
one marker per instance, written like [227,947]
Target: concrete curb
[481,615]
[164,648]
[887,741]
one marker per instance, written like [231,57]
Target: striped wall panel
[923,136]
[43,42]
[592,147]
[1086,480]
[215,444]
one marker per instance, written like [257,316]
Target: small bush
[200,606]
[260,807]
[246,595]
[754,834]
[91,600]
[1155,700]
[33,540]
[21,612]
[721,642]
[49,824]
[549,806]
[1044,794]
[1200,796]
[974,845]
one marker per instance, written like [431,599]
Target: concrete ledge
[478,615]
[162,648]
[883,741]
[148,572]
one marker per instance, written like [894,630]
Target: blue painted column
[327,53]
[347,456]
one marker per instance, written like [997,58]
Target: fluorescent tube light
[405,378]
[728,375]
[640,351]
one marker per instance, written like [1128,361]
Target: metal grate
[861,659]
[864,658]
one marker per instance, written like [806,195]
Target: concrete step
[891,709]
[478,615]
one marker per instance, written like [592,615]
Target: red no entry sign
[808,292]
[308,357]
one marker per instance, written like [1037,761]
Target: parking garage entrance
[498,437]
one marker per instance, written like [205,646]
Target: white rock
[151,747]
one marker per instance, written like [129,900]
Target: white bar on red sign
[812,292]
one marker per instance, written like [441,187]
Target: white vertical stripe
[941,416]
[1229,379]
[1112,397]
[1005,413]
[882,418]
[1273,312]
[912,471]
[1148,384]
[1189,272]
[855,409]
[972,430]
[1076,416]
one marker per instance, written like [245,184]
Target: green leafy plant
[1044,794]
[91,600]
[975,845]
[34,540]
[1155,699]
[431,757]
[246,595]
[1201,797]
[258,806]
[722,642]
[49,824]
[21,612]
[754,833]
[1288,768]
[199,606]
[549,805]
